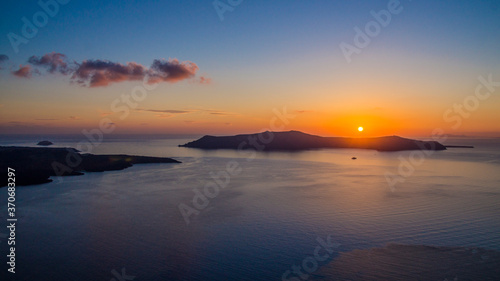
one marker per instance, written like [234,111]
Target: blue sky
[286,47]
[143,30]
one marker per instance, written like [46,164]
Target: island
[45,143]
[295,141]
[35,165]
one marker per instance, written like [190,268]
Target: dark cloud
[98,73]
[101,73]
[171,71]
[23,71]
[54,62]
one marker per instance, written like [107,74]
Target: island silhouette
[296,141]
[35,165]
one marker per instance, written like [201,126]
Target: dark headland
[295,141]
[35,165]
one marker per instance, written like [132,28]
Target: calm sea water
[264,221]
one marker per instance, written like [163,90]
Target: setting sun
[360,129]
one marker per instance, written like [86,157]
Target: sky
[224,67]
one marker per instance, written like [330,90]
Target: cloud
[167,113]
[54,62]
[101,73]
[205,80]
[171,71]
[173,111]
[218,112]
[303,111]
[74,118]
[46,119]
[23,71]
[164,115]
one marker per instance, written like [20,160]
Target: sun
[360,129]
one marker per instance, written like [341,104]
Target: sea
[246,215]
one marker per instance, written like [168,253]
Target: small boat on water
[354,158]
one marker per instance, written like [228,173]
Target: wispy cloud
[167,113]
[205,80]
[101,73]
[173,111]
[218,112]
[303,111]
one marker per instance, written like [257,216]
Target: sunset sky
[213,76]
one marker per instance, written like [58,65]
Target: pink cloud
[23,71]
[52,61]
